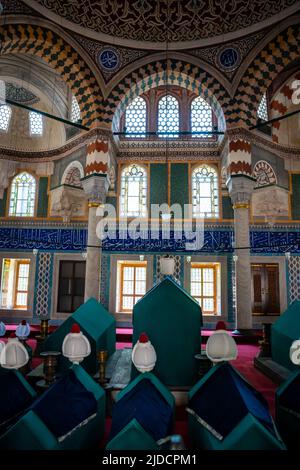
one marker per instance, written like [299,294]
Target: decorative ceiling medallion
[95,49]
[109,59]
[228,58]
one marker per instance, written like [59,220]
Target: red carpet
[244,364]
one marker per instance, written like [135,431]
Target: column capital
[95,188]
[240,188]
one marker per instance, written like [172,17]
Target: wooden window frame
[195,265]
[16,279]
[130,264]
[72,279]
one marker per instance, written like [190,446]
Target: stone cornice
[189,149]
[55,224]
[57,153]
[175,150]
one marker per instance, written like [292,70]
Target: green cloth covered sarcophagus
[16,395]
[172,319]
[69,415]
[283,332]
[96,324]
[142,416]
[227,413]
[288,410]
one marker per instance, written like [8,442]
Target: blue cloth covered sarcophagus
[16,395]
[283,332]
[288,410]
[96,324]
[142,416]
[172,320]
[227,413]
[69,415]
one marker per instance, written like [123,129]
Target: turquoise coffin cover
[239,421]
[16,395]
[284,331]
[96,323]
[31,432]
[172,320]
[136,425]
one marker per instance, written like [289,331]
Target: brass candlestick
[50,366]
[44,328]
[44,332]
[102,358]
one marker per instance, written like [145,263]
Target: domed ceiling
[142,23]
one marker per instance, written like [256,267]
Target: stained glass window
[262,111]
[136,118]
[22,196]
[201,117]
[75,110]
[5,115]
[168,116]
[204,286]
[132,285]
[133,200]
[35,123]
[205,192]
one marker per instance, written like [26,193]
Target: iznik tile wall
[105,280]
[293,279]
[43,285]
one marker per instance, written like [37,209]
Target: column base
[243,332]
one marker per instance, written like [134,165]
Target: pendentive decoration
[109,59]
[228,58]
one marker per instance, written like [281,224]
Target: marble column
[93,258]
[240,186]
[240,190]
[95,184]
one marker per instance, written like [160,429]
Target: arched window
[136,118]
[5,115]
[35,123]
[22,195]
[205,192]
[133,198]
[75,110]
[262,111]
[168,116]
[201,117]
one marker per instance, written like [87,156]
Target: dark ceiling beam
[279,118]
[48,115]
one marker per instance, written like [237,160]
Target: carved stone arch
[260,74]
[53,49]
[281,104]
